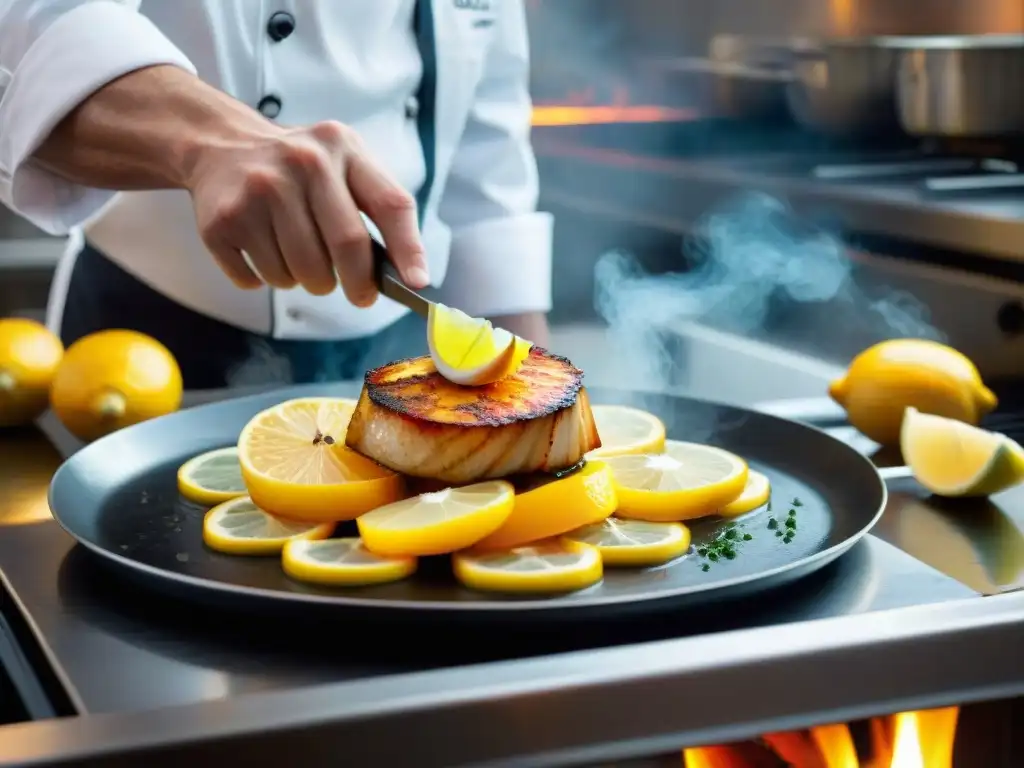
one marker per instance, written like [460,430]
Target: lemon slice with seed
[296,464]
[239,527]
[437,522]
[951,458]
[687,481]
[635,542]
[755,494]
[212,477]
[551,566]
[626,430]
[342,562]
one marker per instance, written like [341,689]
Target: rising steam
[754,257]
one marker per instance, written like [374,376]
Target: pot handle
[895,473]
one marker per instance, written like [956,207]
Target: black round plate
[118,497]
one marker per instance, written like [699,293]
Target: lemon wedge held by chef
[553,506]
[887,378]
[756,493]
[687,481]
[239,527]
[635,542]
[951,458]
[627,430]
[550,566]
[470,351]
[212,477]
[341,563]
[437,522]
[29,357]
[296,465]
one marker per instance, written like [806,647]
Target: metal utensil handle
[895,473]
[390,284]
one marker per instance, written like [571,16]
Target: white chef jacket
[438,90]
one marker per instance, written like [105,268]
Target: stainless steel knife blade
[391,285]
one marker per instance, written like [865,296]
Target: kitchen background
[652,163]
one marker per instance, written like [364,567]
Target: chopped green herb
[773,523]
[747,537]
[786,539]
[731,533]
[702,551]
[730,554]
[705,567]
[792,513]
[797,503]
[713,557]
[791,523]
[778,533]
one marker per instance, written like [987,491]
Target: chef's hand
[289,198]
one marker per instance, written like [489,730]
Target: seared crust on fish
[414,421]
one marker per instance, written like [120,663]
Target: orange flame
[569,114]
[921,739]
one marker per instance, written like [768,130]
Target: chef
[217,165]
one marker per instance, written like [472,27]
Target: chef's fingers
[261,247]
[393,210]
[298,240]
[233,264]
[344,233]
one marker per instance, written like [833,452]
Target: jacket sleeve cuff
[501,266]
[80,52]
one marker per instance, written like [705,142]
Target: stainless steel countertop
[725,674]
[667,193]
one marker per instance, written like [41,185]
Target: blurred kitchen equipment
[966,85]
[743,77]
[846,87]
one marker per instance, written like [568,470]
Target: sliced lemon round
[687,481]
[548,566]
[212,477]
[634,542]
[342,563]
[470,351]
[239,527]
[951,458]
[556,506]
[437,522]
[755,494]
[625,430]
[296,465]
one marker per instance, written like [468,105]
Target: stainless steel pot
[730,90]
[964,86]
[847,87]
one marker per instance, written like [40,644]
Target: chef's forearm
[144,130]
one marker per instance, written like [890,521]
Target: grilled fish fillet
[414,421]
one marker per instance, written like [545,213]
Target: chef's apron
[101,295]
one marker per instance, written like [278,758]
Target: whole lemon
[112,379]
[886,379]
[29,356]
